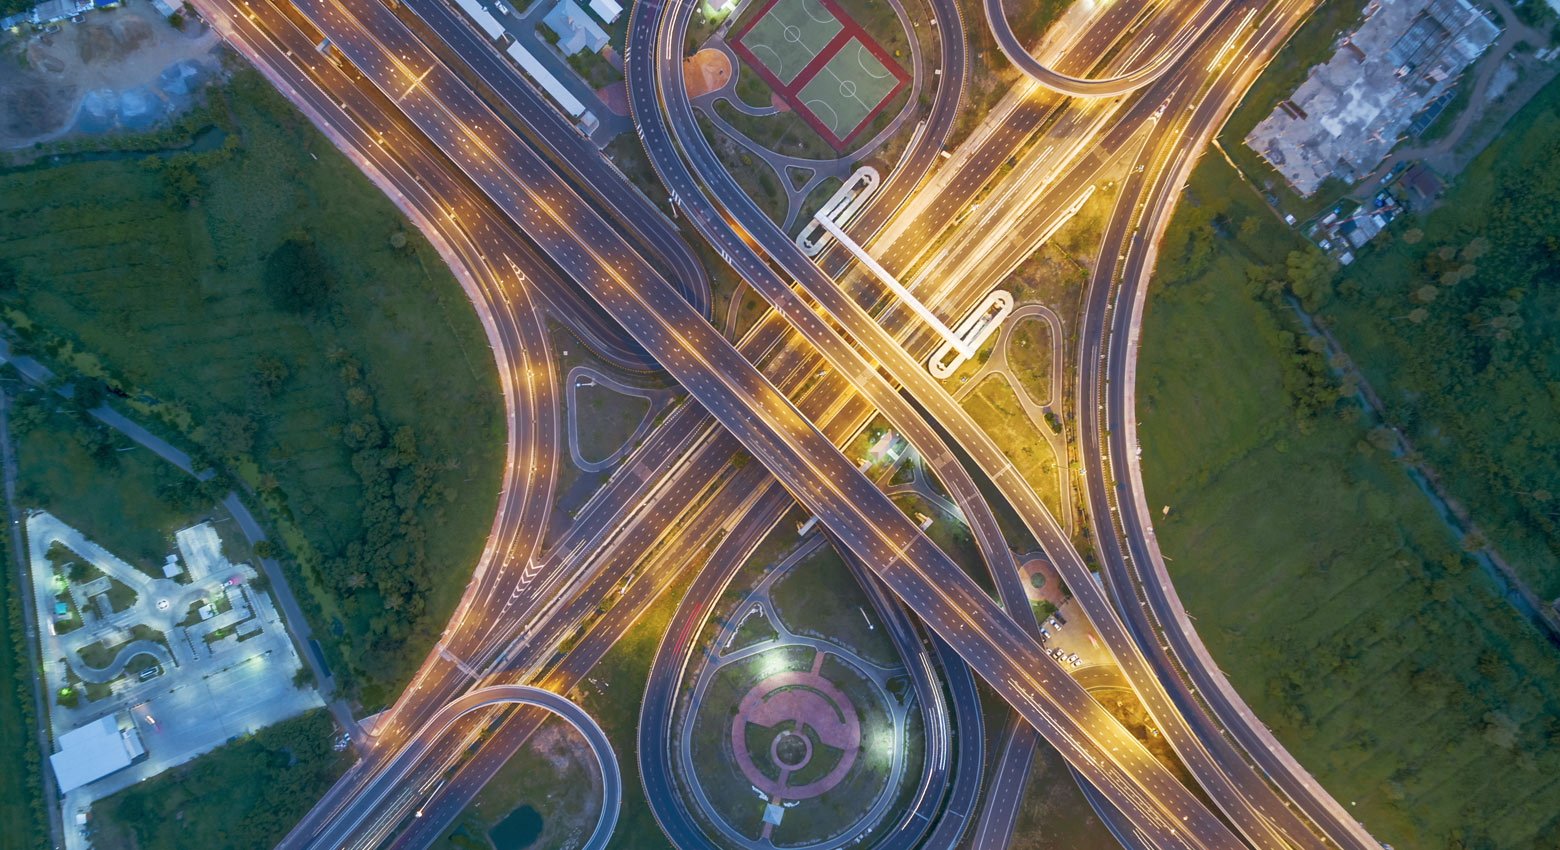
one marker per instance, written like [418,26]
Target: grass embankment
[246,794]
[265,304]
[94,479]
[1323,581]
[614,700]
[23,822]
[1029,358]
[996,409]
[820,597]
[606,419]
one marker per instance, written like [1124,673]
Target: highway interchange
[535,221]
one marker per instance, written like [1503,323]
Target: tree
[88,394]
[229,435]
[296,277]
[268,376]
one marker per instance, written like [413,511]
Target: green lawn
[821,597]
[1029,358]
[997,411]
[243,795]
[1054,815]
[263,302]
[952,536]
[1322,580]
[547,775]
[606,420]
[129,502]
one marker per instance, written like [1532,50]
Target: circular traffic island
[791,746]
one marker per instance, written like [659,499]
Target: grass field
[715,767]
[626,667]
[787,36]
[1029,358]
[548,775]
[1322,580]
[130,502]
[821,597]
[1054,815]
[952,536]
[607,419]
[249,792]
[1475,286]
[997,411]
[168,278]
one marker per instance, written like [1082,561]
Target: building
[576,30]
[94,751]
[607,10]
[1351,111]
[1422,185]
[50,11]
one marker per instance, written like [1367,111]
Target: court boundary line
[850,29]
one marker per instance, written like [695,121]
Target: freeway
[1256,815]
[497,287]
[656,738]
[1018,54]
[539,344]
[575,152]
[1116,400]
[771,429]
[494,695]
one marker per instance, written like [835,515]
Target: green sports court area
[822,63]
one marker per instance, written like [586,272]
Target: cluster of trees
[29,784]
[296,277]
[33,408]
[249,792]
[382,575]
[1460,316]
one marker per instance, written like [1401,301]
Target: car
[1054,624]
[1044,635]
[1076,662]
[1057,616]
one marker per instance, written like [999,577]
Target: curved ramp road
[417,744]
[996,19]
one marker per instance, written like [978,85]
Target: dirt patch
[125,58]
[706,71]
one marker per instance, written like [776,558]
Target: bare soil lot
[123,59]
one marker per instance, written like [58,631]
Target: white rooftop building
[202,550]
[94,751]
[576,30]
[606,10]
